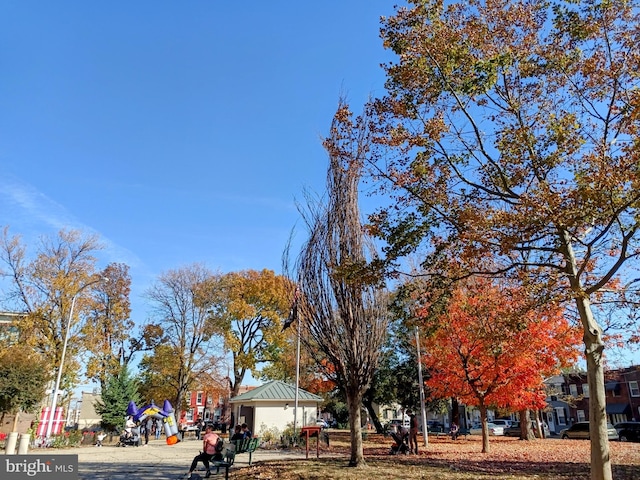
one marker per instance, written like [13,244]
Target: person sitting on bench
[211,450]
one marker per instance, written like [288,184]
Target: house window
[573,390]
[633,388]
[189,415]
[199,398]
[581,416]
[585,390]
[561,417]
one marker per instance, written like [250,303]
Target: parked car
[396,421]
[503,423]
[496,430]
[581,430]
[322,424]
[628,431]
[514,429]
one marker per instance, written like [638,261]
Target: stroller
[132,439]
[401,439]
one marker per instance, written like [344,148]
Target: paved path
[156,460]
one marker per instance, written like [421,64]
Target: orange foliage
[492,348]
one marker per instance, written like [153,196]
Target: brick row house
[568,397]
[208,406]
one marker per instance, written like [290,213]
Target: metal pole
[295,408]
[54,400]
[425,432]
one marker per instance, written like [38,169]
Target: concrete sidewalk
[156,460]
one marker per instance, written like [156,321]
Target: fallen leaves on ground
[509,458]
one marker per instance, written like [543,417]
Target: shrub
[269,435]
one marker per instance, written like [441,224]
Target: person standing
[208,453]
[199,428]
[148,426]
[158,428]
[413,432]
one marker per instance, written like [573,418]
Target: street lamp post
[54,399]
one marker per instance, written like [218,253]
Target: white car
[502,423]
[322,424]
[496,430]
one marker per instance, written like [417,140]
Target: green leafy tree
[120,389]
[23,378]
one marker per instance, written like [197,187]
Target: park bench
[246,445]
[438,431]
[229,458]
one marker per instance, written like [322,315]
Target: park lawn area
[443,458]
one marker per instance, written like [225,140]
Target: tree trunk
[373,416]
[455,412]
[15,422]
[485,427]
[526,432]
[539,428]
[594,348]
[354,402]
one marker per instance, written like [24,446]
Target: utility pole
[423,410]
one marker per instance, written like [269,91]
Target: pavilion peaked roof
[276,390]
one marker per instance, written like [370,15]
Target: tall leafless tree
[181,305]
[342,305]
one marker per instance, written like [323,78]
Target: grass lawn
[509,458]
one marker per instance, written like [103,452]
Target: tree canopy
[512,135]
[23,378]
[493,347]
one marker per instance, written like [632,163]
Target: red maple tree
[492,348]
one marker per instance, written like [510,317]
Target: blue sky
[179,132]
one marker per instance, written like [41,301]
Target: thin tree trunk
[372,415]
[485,428]
[355,422]
[594,348]
[15,422]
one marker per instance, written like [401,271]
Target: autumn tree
[493,347]
[512,130]
[249,310]
[181,302]
[111,337]
[44,288]
[343,306]
[157,372]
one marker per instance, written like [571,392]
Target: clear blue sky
[179,132]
